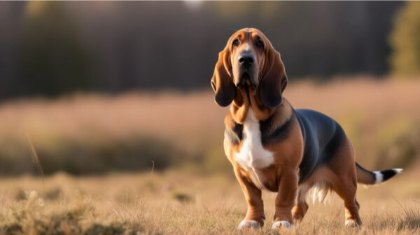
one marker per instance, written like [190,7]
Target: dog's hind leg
[344,181]
[346,189]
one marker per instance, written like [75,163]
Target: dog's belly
[252,156]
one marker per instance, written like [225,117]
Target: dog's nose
[246,60]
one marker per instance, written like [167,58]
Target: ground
[184,202]
[182,183]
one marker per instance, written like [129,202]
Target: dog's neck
[246,99]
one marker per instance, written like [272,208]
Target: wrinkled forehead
[247,34]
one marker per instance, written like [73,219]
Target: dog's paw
[350,223]
[281,224]
[249,224]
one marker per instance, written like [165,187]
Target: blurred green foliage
[397,143]
[53,48]
[393,142]
[405,41]
[52,59]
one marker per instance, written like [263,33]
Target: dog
[273,146]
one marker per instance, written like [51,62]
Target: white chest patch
[252,156]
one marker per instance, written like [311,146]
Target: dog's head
[249,62]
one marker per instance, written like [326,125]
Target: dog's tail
[375,177]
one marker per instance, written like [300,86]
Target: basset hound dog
[273,146]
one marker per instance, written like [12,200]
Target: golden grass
[381,118]
[183,203]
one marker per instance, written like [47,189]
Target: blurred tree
[51,48]
[52,58]
[405,41]
[10,20]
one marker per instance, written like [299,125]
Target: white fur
[252,155]
[398,170]
[319,192]
[281,224]
[245,224]
[378,177]
[350,223]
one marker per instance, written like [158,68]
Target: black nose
[246,60]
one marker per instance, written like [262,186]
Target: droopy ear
[273,80]
[222,82]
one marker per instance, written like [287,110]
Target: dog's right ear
[222,81]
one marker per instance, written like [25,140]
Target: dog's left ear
[273,80]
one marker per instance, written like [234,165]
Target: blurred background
[99,87]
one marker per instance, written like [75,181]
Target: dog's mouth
[246,81]
[246,84]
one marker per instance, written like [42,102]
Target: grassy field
[154,164]
[182,203]
[90,134]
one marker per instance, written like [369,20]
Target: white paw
[281,224]
[350,223]
[249,224]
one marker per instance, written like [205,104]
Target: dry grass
[181,203]
[381,118]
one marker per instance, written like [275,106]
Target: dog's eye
[235,42]
[259,43]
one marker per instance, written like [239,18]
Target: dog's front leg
[285,199]
[255,213]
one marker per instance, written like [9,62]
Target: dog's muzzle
[246,67]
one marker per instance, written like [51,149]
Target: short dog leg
[254,218]
[285,200]
[347,191]
[299,211]
[301,208]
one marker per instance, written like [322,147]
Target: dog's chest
[252,156]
